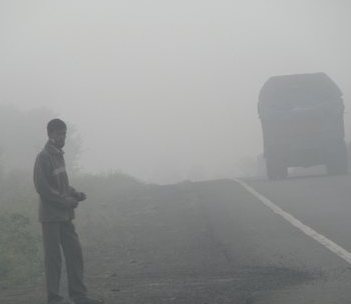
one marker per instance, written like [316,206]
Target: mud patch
[273,277]
[248,285]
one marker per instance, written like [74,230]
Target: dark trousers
[57,235]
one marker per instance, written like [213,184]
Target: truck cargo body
[302,123]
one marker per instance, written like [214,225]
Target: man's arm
[44,189]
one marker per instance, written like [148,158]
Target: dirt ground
[158,247]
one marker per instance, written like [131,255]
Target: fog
[166,90]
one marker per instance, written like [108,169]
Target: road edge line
[324,241]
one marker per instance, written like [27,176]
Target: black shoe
[88,301]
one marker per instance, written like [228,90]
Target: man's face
[58,137]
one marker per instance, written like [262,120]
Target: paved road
[286,265]
[215,243]
[225,247]
[324,204]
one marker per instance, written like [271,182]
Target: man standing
[56,212]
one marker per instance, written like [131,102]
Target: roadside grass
[20,245]
[128,229]
[20,251]
[21,255]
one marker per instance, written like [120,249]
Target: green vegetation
[22,136]
[21,259]
[20,254]
[20,245]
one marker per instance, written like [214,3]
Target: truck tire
[276,169]
[337,160]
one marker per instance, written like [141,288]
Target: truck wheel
[337,162]
[276,169]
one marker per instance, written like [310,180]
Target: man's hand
[71,202]
[81,196]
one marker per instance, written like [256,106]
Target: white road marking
[327,243]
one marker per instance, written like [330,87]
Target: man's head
[57,129]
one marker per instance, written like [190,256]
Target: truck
[302,118]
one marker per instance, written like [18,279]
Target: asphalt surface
[324,204]
[218,243]
[215,243]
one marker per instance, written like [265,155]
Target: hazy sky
[163,89]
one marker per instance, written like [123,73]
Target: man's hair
[55,125]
